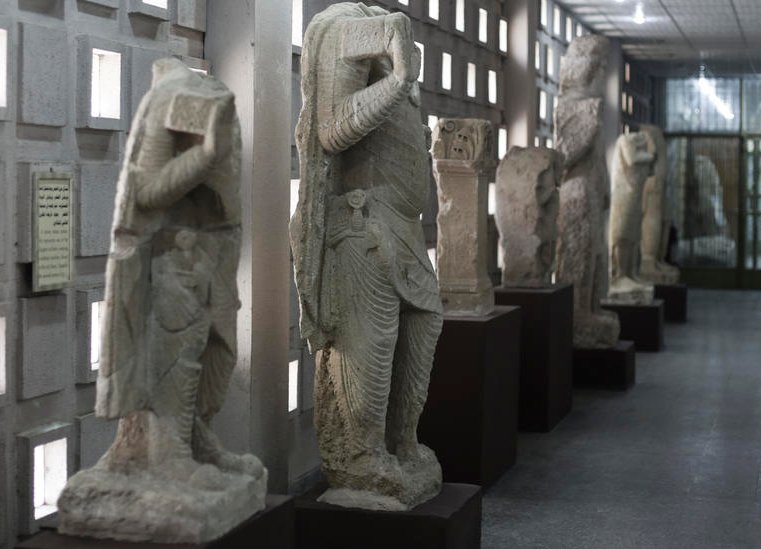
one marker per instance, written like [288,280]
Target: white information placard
[52,231]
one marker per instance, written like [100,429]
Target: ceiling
[678,35]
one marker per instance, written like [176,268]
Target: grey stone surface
[369,297]
[632,165]
[95,436]
[169,335]
[464,159]
[527,210]
[43,65]
[106,3]
[673,463]
[44,343]
[582,253]
[192,14]
[97,190]
[141,60]
[656,214]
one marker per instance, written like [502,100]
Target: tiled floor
[673,463]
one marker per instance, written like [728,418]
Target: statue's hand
[401,48]
[216,143]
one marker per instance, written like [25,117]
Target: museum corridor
[672,463]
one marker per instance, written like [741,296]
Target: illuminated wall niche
[446,71]
[50,474]
[293,385]
[105,84]
[3,68]
[96,316]
[3,378]
[45,461]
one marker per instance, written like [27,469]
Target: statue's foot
[246,464]
[208,449]
[413,452]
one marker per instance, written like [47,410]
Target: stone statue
[463,163]
[368,293]
[656,215]
[706,238]
[528,201]
[632,165]
[169,337]
[584,194]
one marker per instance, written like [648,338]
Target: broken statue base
[147,506]
[271,528]
[627,291]
[421,481]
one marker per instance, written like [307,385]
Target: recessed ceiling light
[639,14]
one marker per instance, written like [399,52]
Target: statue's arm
[167,178]
[578,133]
[348,108]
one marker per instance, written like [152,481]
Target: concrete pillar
[520,74]
[248,45]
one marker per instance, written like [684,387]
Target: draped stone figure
[632,165]
[528,202]
[656,215]
[169,336]
[369,299]
[584,194]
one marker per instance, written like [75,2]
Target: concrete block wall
[46,384]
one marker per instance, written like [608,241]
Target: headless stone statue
[369,298]
[527,212]
[463,163]
[632,165]
[584,195]
[705,235]
[169,338]
[656,214]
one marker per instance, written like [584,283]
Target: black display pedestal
[272,528]
[471,416]
[546,377]
[674,298]
[642,324]
[451,520]
[613,368]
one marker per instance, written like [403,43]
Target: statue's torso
[392,161]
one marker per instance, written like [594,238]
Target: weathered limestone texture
[169,335]
[632,165]
[368,292]
[585,194]
[463,163]
[528,203]
[656,215]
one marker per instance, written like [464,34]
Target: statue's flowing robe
[128,374]
[322,180]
